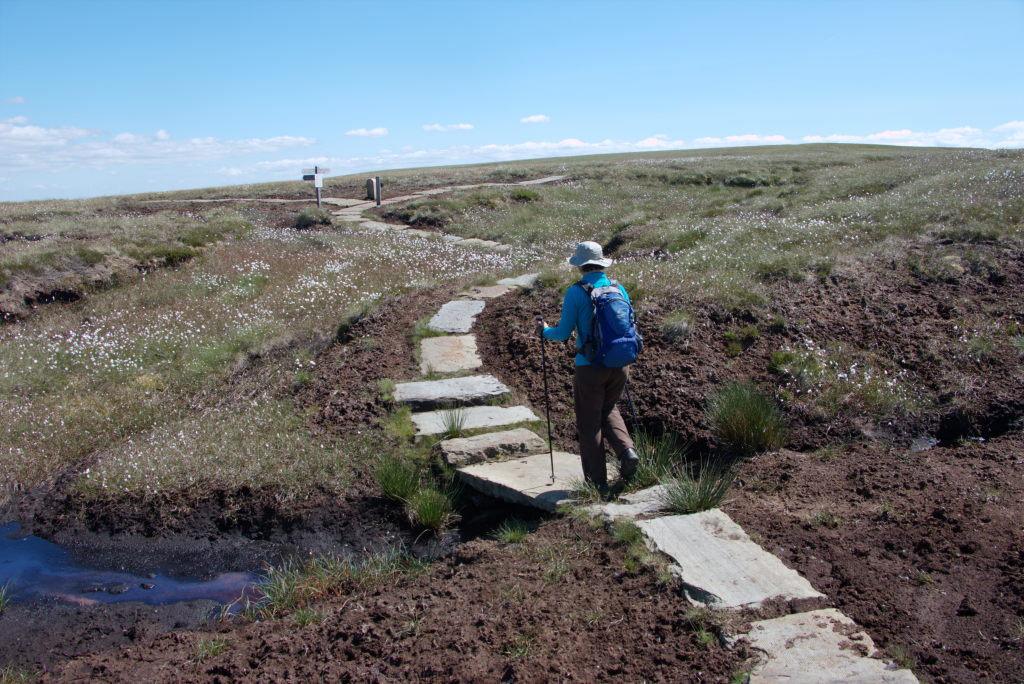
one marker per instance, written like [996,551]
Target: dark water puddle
[33,568]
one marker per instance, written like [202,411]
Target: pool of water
[34,568]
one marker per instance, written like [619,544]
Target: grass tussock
[294,586]
[433,508]
[700,488]
[5,596]
[10,674]
[512,531]
[660,457]
[744,420]
[677,327]
[397,477]
[312,217]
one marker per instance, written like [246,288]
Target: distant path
[364,204]
[353,212]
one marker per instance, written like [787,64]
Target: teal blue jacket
[578,313]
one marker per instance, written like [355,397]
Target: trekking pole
[547,397]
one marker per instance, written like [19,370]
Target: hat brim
[597,262]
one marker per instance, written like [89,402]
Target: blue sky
[109,97]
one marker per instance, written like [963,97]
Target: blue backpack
[614,341]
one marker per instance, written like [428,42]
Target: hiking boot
[628,461]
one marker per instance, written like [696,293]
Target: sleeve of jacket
[570,310]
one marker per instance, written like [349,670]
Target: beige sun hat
[589,253]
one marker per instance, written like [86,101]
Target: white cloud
[1010,134]
[448,127]
[745,139]
[16,100]
[24,146]
[536,118]
[368,132]
[231,171]
[16,133]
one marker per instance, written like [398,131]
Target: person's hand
[540,326]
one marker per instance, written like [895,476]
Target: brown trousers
[597,419]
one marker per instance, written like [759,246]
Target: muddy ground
[923,549]
[560,605]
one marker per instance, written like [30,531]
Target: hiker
[595,387]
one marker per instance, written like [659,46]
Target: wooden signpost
[316,174]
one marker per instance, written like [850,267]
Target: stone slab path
[473,418]
[352,211]
[452,354]
[818,646]
[718,563]
[527,481]
[491,446]
[457,316]
[452,392]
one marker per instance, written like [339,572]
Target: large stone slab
[486,291]
[466,391]
[719,564]
[456,316]
[646,502]
[491,446]
[524,281]
[818,646]
[344,202]
[380,225]
[527,481]
[449,354]
[475,417]
[546,179]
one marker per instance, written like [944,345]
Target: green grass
[826,518]
[209,648]
[10,674]
[312,217]
[454,423]
[744,420]
[292,587]
[512,531]
[135,366]
[834,378]
[660,456]
[303,617]
[432,508]
[397,477]
[677,327]
[5,596]
[700,488]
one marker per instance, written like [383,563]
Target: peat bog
[194,389]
